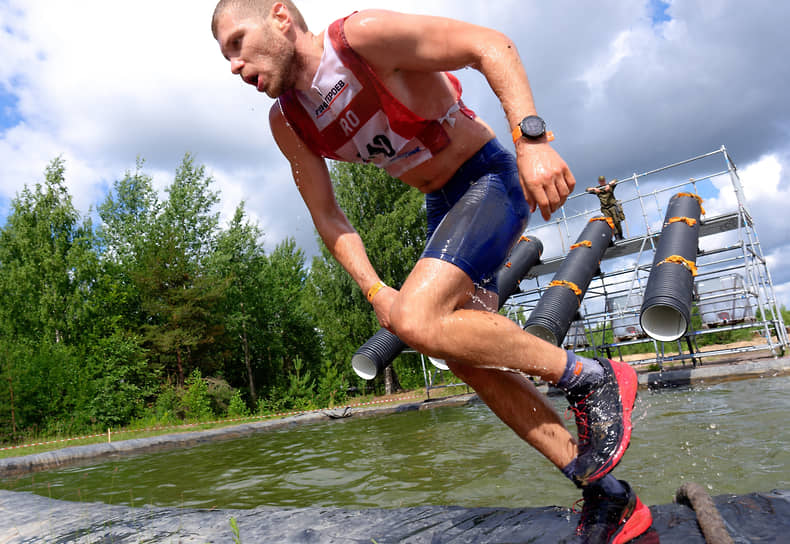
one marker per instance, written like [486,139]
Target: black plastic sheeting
[27,518]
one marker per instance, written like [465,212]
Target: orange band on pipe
[690,221]
[608,220]
[583,243]
[677,259]
[699,199]
[569,284]
[528,239]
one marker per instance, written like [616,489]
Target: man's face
[601,181]
[258,52]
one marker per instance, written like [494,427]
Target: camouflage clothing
[610,206]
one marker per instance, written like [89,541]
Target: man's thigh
[477,234]
[436,288]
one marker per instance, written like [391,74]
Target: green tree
[239,259]
[117,380]
[48,271]
[265,320]
[128,226]
[288,330]
[48,263]
[178,295]
[390,218]
[128,214]
[190,212]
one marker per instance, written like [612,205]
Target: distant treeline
[159,313]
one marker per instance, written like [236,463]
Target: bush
[168,407]
[409,370]
[237,407]
[299,393]
[220,393]
[118,381]
[332,386]
[196,401]
[270,406]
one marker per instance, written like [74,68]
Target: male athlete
[374,87]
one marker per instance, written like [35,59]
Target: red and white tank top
[349,115]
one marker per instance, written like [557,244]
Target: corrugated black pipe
[376,354]
[552,316]
[666,307]
[382,348]
[524,256]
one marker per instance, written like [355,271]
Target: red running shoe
[603,420]
[611,520]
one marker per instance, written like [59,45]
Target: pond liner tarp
[27,518]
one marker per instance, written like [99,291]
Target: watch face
[533,126]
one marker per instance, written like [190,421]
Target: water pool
[730,437]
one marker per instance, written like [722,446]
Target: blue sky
[9,117]
[625,86]
[9,114]
[659,11]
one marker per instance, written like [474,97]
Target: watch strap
[516,133]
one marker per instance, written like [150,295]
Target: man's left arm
[395,41]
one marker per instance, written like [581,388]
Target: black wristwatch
[532,127]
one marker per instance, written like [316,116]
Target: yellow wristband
[378,286]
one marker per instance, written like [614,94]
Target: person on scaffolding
[375,87]
[610,206]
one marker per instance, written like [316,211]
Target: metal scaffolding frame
[730,261]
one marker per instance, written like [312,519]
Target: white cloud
[760,181]
[627,44]
[103,82]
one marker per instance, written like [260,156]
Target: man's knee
[410,322]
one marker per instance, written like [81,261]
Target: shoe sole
[627,383]
[638,522]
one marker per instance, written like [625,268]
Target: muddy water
[731,437]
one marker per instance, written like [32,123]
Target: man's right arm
[315,186]
[392,42]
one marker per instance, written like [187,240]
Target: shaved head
[255,9]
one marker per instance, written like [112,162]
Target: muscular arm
[392,41]
[312,179]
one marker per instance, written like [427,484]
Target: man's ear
[281,16]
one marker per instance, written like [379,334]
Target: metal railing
[732,248]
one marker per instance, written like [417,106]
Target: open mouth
[251,80]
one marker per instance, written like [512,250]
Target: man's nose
[236,65]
